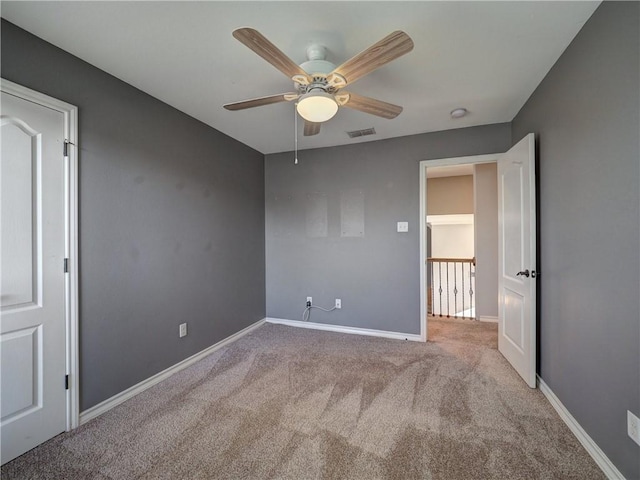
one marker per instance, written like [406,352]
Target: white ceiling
[450,171]
[485,56]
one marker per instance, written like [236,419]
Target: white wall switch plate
[338,304]
[403,227]
[183,330]
[633,427]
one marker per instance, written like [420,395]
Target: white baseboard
[583,437]
[342,329]
[117,399]
[486,318]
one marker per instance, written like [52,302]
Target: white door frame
[439,162]
[70,114]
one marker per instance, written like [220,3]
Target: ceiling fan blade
[370,105]
[389,48]
[258,102]
[267,50]
[311,128]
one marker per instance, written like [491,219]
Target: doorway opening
[517,272]
[459,240]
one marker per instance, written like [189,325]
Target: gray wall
[485,195]
[585,115]
[450,195]
[171,222]
[377,274]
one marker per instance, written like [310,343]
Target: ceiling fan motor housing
[318,71]
[318,68]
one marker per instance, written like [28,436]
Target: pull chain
[295,132]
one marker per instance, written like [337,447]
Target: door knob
[525,273]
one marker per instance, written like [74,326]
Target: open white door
[517,258]
[33,334]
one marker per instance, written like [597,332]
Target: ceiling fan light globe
[317,106]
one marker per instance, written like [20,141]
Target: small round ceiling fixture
[459,112]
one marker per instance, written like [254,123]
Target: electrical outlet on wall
[338,304]
[633,427]
[309,301]
[183,330]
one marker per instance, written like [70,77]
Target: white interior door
[33,326]
[517,258]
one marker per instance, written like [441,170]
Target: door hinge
[66,382]
[66,265]
[65,148]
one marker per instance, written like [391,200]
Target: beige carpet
[301,404]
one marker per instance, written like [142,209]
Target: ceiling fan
[319,83]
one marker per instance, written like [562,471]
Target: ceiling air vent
[362,133]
